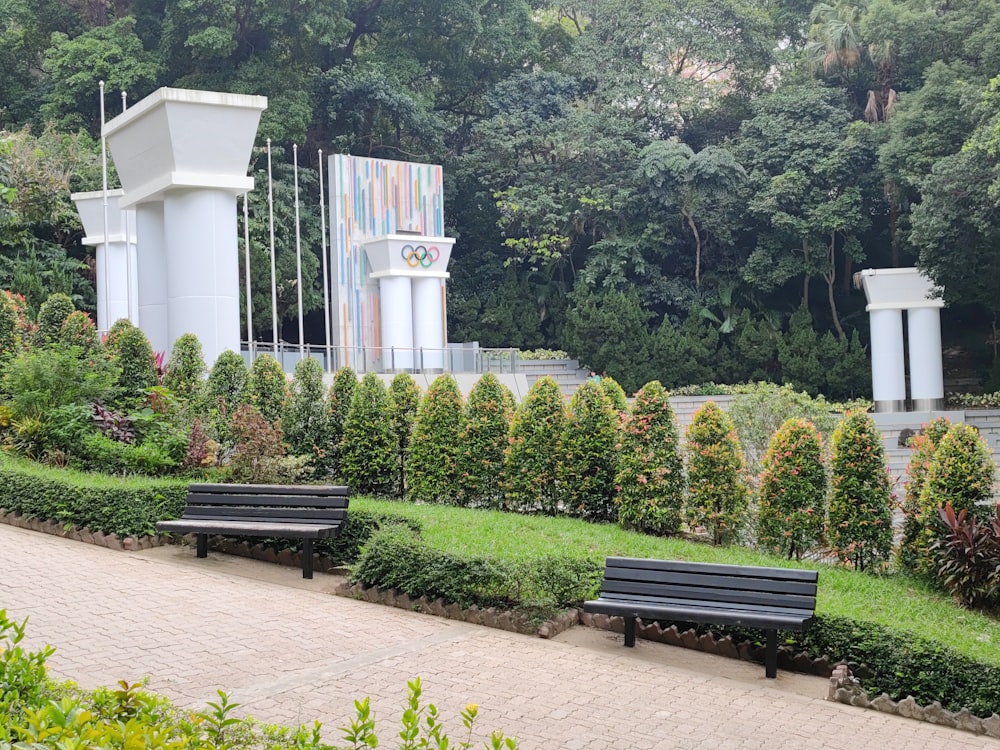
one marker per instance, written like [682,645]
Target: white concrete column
[114,256]
[151,275]
[202,272]
[926,365]
[429,322]
[395,308]
[888,361]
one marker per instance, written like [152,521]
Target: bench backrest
[320,504]
[781,590]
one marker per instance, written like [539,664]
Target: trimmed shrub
[792,491]
[860,513]
[267,388]
[616,393]
[79,330]
[432,466]
[367,458]
[185,369]
[339,400]
[650,481]
[589,462]
[486,425]
[306,415]
[52,315]
[922,446]
[9,338]
[531,458]
[130,351]
[404,396]
[224,392]
[717,490]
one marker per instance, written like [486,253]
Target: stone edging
[845,688]
[84,534]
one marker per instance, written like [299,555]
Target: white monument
[116,261]
[182,158]
[890,291]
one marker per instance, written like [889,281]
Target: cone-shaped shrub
[306,414]
[404,394]
[367,458]
[531,459]
[860,514]
[432,466]
[488,414]
[792,490]
[922,448]
[961,473]
[338,401]
[267,388]
[615,393]
[52,315]
[9,335]
[130,351]
[185,368]
[717,489]
[650,482]
[225,391]
[590,455]
[79,330]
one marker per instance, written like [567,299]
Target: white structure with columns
[115,254]
[182,158]
[890,291]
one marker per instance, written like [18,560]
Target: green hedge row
[120,505]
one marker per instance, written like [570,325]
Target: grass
[898,602]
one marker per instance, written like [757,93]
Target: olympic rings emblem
[420,255]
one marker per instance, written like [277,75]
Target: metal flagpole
[326,272]
[133,315]
[274,283]
[104,191]
[246,256]
[298,252]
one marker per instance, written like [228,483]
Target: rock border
[82,534]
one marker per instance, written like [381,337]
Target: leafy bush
[52,315]
[339,400]
[486,424]
[792,490]
[185,368]
[98,452]
[922,446]
[589,461]
[432,466]
[79,330]
[306,416]
[650,481]
[968,557]
[367,459]
[717,490]
[543,354]
[130,351]
[531,458]
[616,393]
[860,513]
[404,396]
[267,388]
[225,390]
[9,339]
[23,680]
[258,455]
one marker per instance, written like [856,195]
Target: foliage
[616,393]
[717,491]
[339,400]
[185,370]
[367,460]
[23,680]
[922,447]
[650,481]
[968,557]
[432,466]
[9,339]
[79,330]
[531,458]
[485,427]
[404,395]
[52,316]
[791,500]
[589,461]
[225,391]
[860,512]
[130,351]
[543,354]
[258,455]
[267,388]
[306,414]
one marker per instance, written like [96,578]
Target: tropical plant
[717,489]
[185,369]
[531,458]
[432,466]
[305,421]
[968,556]
[922,447]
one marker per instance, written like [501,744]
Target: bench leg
[202,545]
[630,631]
[771,654]
[307,558]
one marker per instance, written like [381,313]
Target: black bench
[303,512]
[711,594]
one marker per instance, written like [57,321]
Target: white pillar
[115,255]
[202,274]
[888,362]
[926,366]
[428,321]
[395,308]
[151,275]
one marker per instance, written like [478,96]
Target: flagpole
[246,256]
[104,195]
[274,283]
[298,252]
[326,271]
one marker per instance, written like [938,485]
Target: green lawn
[898,602]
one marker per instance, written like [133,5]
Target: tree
[367,459]
[860,526]
[717,492]
[799,356]
[486,425]
[589,461]
[650,481]
[531,458]
[432,466]
[922,447]
[404,395]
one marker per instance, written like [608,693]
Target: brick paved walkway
[290,652]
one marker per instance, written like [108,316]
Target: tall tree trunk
[805,274]
[697,248]
[831,279]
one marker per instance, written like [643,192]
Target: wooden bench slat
[209,511]
[667,602]
[270,500]
[250,528]
[710,616]
[732,596]
[699,579]
[313,490]
[712,568]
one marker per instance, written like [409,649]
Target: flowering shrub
[51,316]
[589,455]
[860,527]
[531,458]
[922,446]
[404,396]
[650,480]
[616,393]
[792,490]
[367,459]
[717,490]
[432,466]
[488,414]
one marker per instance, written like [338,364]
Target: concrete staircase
[566,372]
